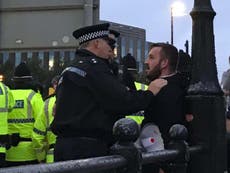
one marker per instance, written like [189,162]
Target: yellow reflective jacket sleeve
[6,104]
[40,135]
[11,100]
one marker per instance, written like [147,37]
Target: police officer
[21,119]
[6,105]
[43,138]
[90,98]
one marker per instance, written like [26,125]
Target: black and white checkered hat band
[93,35]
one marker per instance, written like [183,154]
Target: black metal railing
[98,164]
[126,158]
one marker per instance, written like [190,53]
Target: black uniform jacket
[168,107]
[90,98]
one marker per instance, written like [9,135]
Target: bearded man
[168,107]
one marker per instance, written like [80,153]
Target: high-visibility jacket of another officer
[6,105]
[141,86]
[43,138]
[21,120]
[139,116]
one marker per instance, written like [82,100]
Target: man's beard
[154,73]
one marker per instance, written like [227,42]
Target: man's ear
[164,63]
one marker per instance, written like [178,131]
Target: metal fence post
[205,94]
[126,132]
[178,134]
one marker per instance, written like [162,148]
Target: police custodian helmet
[22,72]
[91,32]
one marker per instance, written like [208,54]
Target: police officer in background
[42,136]
[90,98]
[6,105]
[21,119]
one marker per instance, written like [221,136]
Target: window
[41,58]
[62,57]
[29,54]
[140,63]
[131,43]
[72,55]
[139,50]
[17,58]
[5,56]
[51,60]
[146,50]
[123,45]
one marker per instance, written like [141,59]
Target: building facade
[43,29]
[131,40]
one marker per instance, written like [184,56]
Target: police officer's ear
[95,43]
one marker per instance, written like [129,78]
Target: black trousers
[9,164]
[73,148]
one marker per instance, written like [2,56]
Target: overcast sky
[154,17]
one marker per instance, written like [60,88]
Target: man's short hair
[169,52]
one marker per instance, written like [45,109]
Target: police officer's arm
[116,98]
[39,135]
[11,100]
[108,92]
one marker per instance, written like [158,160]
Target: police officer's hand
[156,85]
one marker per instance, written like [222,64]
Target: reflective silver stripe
[39,131]
[51,151]
[143,86]
[46,107]
[29,106]
[29,120]
[5,109]
[75,70]
[6,94]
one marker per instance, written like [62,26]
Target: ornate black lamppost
[205,95]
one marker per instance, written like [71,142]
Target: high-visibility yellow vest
[21,120]
[6,104]
[140,86]
[43,138]
[138,117]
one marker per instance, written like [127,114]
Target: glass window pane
[72,55]
[146,50]
[17,58]
[140,63]
[131,46]
[51,60]
[139,50]
[41,58]
[123,45]
[5,56]
[29,54]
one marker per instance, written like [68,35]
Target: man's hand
[156,85]
[189,117]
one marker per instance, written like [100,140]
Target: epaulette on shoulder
[93,61]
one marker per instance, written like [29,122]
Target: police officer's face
[154,63]
[106,48]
